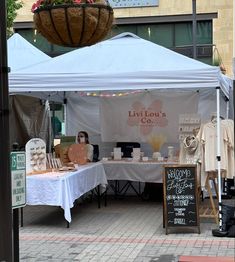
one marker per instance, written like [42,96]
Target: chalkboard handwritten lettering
[179,221]
[179,185]
[190,197]
[180,196]
[178,174]
[181,203]
[179,211]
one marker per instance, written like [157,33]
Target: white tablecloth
[62,189]
[135,171]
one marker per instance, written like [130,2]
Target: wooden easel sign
[180,197]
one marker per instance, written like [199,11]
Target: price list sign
[18,179]
[180,197]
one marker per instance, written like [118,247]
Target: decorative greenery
[217,61]
[44,3]
[12,7]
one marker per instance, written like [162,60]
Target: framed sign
[180,197]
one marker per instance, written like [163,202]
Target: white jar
[156,155]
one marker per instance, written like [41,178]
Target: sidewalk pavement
[127,230]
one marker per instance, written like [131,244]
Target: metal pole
[65,114]
[233,94]
[221,231]
[6,245]
[194,29]
[219,156]
[233,58]
[16,234]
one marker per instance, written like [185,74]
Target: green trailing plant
[217,61]
[12,7]
[49,3]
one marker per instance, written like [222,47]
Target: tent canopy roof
[21,54]
[121,54]
[123,62]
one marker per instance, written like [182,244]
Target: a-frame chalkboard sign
[180,197]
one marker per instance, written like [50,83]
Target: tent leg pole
[219,232]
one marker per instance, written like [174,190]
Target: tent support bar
[194,29]
[65,112]
[227,107]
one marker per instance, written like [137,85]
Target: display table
[150,171]
[129,170]
[63,188]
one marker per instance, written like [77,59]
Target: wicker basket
[74,25]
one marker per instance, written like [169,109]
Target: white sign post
[18,179]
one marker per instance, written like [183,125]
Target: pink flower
[77,1]
[36,5]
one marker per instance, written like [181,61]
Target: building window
[176,36]
[41,43]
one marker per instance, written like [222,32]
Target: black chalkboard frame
[182,228]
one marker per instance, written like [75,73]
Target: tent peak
[125,34]
[23,54]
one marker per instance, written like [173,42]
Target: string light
[149,32]
[35,36]
[109,94]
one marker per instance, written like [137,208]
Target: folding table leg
[98,195]
[105,198]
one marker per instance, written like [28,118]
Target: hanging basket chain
[68,28]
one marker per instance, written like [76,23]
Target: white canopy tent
[21,54]
[125,62]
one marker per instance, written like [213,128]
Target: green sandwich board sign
[18,179]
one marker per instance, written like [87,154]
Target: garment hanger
[214,118]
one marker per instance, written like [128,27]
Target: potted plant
[73,23]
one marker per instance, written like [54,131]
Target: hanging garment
[209,140]
[228,124]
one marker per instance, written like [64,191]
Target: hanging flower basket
[73,25]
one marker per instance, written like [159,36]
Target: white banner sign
[147,117]
[133,3]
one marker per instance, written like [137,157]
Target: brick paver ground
[127,230]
